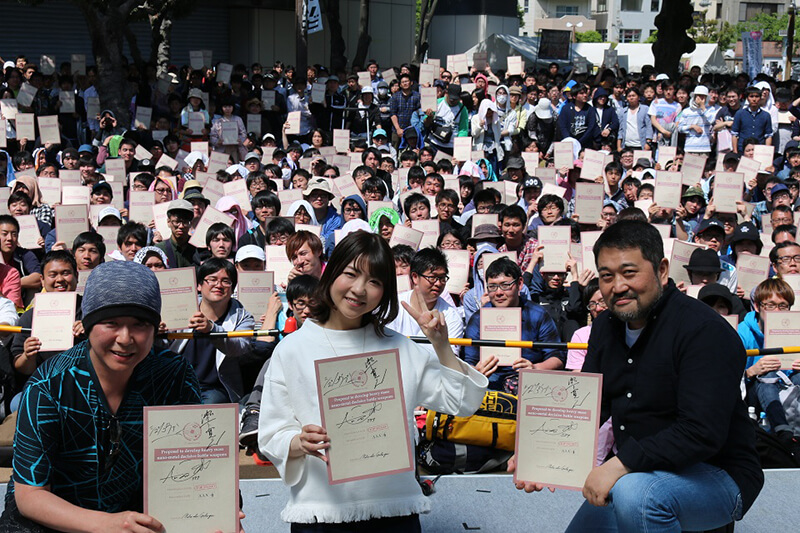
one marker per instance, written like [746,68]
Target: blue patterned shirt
[67,437]
[404,106]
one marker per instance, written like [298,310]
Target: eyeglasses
[163,190]
[597,305]
[352,210]
[433,279]
[180,222]
[769,306]
[214,281]
[505,286]
[445,206]
[786,259]
[115,433]
[299,305]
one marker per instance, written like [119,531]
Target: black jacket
[683,376]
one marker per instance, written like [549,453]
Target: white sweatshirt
[290,402]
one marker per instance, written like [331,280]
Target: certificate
[140,206]
[427,96]
[160,220]
[666,154]
[196,122]
[9,108]
[214,190]
[67,100]
[217,161]
[489,258]
[255,288]
[430,232]
[78,64]
[748,168]
[694,166]
[254,124]
[210,216]
[224,72]
[238,190]
[196,59]
[28,232]
[51,190]
[25,129]
[289,196]
[515,66]
[53,317]
[764,154]
[555,240]
[199,146]
[782,328]
[363,410]
[191,467]
[346,186]
[278,263]
[594,165]
[26,94]
[750,271]
[479,60]
[728,188]
[501,324]
[341,141]
[316,230]
[563,155]
[668,189]
[293,120]
[408,236]
[364,78]
[588,200]
[109,235]
[681,252]
[71,221]
[557,427]
[531,161]
[388,75]
[69,177]
[230,133]
[143,117]
[462,148]
[141,153]
[426,75]
[318,93]
[267,99]
[92,107]
[75,195]
[458,268]
[178,296]
[482,219]
[3,135]
[116,168]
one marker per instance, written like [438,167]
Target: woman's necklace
[363,344]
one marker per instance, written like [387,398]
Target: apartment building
[623,21]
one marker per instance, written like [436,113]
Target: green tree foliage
[769,24]
[590,36]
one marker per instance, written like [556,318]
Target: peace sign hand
[431,322]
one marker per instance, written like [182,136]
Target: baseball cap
[102,185]
[180,205]
[318,184]
[109,211]
[454,89]
[515,162]
[779,188]
[250,251]
[267,136]
[694,191]
[252,155]
[367,90]
[379,132]
[85,149]
[532,183]
[710,224]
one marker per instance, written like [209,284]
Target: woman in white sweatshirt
[356,298]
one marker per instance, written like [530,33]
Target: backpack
[771,451]
[442,457]
[494,424]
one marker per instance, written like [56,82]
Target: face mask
[501,99]
[480,272]
[383,92]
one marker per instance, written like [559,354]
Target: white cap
[250,251]
[109,211]
[367,90]
[662,77]
[700,90]
[9,64]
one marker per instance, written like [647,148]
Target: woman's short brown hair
[371,254]
[773,286]
[296,241]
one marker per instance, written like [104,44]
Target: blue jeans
[768,397]
[697,498]
[209,396]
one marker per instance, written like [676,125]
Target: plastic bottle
[763,422]
[751,412]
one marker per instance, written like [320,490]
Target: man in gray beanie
[78,445]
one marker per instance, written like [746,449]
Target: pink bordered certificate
[191,467]
[364,412]
[557,427]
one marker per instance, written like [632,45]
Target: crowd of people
[335,165]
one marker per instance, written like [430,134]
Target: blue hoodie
[751,335]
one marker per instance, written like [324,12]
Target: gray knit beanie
[121,288]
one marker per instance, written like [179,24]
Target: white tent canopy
[706,56]
[593,52]
[499,46]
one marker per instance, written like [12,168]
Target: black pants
[395,524]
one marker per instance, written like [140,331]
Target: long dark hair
[371,254]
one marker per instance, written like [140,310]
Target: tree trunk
[133,45]
[427,9]
[107,32]
[672,41]
[364,39]
[338,59]
[160,43]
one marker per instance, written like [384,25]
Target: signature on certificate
[360,414]
[555,427]
[558,393]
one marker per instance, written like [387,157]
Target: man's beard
[638,314]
